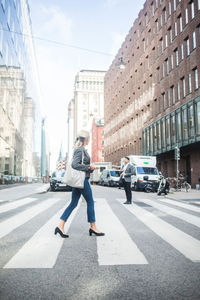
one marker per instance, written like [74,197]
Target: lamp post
[177,157]
[43,151]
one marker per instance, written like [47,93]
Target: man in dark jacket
[127,172]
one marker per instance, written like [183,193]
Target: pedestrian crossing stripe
[180,204]
[21,218]
[183,242]
[115,248]
[41,251]
[174,212]
[16,204]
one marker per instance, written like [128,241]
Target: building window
[186,16]
[152,8]
[158,70]
[199,32]
[175,29]
[170,8]
[173,130]
[183,87]
[174,2]
[192,9]
[166,41]
[189,83]
[197,114]
[196,81]
[180,24]
[184,124]
[182,52]
[164,101]
[163,133]
[178,91]
[167,66]
[173,94]
[198,4]
[165,15]
[163,70]
[176,56]
[162,46]
[170,35]
[194,44]
[191,120]
[161,20]
[168,135]
[168,98]
[172,62]
[178,126]
[159,134]
[156,21]
[154,138]
[187,46]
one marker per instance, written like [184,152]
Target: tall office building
[153,105]
[18,89]
[88,102]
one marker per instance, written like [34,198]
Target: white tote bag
[73,177]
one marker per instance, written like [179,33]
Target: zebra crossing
[117,247]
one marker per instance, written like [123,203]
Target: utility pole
[177,158]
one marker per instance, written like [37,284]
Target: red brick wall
[133,96]
[97,147]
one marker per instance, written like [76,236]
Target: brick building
[97,141]
[153,104]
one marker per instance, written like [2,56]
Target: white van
[97,173]
[144,170]
[110,177]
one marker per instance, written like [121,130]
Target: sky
[99,25]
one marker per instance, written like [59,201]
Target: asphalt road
[151,249]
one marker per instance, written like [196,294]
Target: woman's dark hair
[127,157]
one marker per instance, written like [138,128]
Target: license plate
[62,184]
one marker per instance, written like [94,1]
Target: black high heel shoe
[91,231]
[57,230]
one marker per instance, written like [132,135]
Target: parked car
[56,182]
[110,178]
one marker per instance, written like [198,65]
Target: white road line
[116,247]
[174,212]
[18,203]
[42,250]
[19,219]
[184,243]
[180,204]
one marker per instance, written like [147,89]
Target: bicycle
[182,184]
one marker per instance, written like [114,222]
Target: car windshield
[115,173]
[147,170]
[58,174]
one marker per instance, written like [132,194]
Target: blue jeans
[76,194]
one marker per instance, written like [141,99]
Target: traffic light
[177,153]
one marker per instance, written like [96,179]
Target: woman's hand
[92,167]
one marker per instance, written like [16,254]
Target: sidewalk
[193,196]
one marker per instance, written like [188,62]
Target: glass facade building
[18,89]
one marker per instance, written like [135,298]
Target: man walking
[127,172]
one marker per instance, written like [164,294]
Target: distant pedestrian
[86,192]
[127,172]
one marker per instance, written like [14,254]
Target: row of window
[181,127]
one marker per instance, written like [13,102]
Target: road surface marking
[181,241]
[116,247]
[16,204]
[42,250]
[174,212]
[180,204]
[19,219]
